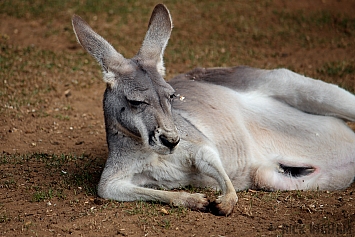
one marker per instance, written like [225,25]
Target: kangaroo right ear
[156,38]
[98,47]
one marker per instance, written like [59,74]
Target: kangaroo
[226,128]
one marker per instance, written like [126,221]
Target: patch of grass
[339,72]
[270,196]
[304,20]
[29,75]
[85,175]
[165,223]
[62,117]
[143,208]
[4,217]
[12,158]
[337,69]
[53,161]
[84,172]
[299,26]
[23,73]
[41,8]
[8,184]
[39,196]
[154,214]
[178,211]
[138,208]
[155,209]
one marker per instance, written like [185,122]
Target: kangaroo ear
[98,47]
[156,38]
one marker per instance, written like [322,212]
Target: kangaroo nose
[170,144]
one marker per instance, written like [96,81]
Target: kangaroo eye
[135,102]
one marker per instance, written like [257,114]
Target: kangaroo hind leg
[309,95]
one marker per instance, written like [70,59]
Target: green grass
[339,72]
[62,117]
[41,195]
[318,20]
[165,223]
[337,69]
[42,9]
[140,207]
[23,71]
[154,214]
[4,218]
[238,33]
[8,183]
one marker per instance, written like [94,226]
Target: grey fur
[228,128]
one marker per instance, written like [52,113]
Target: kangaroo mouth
[163,142]
[295,171]
[169,144]
[152,139]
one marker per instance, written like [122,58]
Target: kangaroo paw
[195,201]
[224,204]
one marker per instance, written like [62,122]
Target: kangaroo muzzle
[164,140]
[170,143]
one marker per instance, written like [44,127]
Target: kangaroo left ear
[99,48]
[156,38]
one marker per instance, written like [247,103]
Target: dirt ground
[52,138]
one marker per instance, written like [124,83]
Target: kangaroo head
[137,99]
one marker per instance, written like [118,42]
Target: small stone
[67,93]
[164,211]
